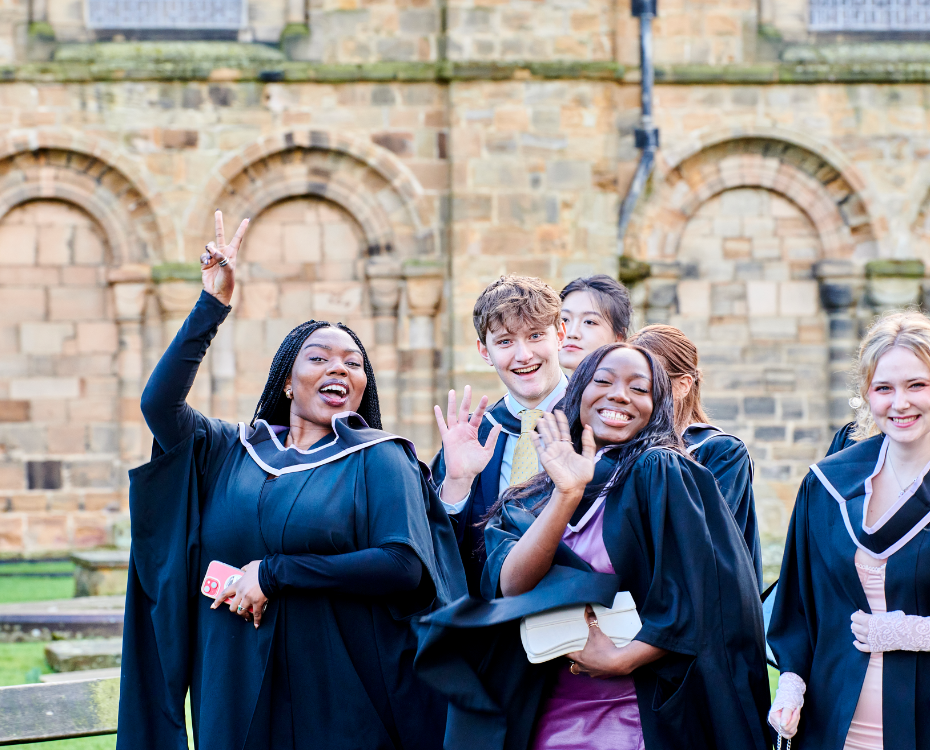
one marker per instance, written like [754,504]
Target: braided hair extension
[276,410]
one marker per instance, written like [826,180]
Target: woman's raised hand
[218,263]
[569,471]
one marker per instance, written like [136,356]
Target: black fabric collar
[847,477]
[696,434]
[350,434]
[500,414]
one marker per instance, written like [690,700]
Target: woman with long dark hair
[339,539]
[725,455]
[619,507]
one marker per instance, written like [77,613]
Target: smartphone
[219,577]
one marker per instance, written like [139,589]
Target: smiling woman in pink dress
[855,558]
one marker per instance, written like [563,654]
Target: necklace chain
[896,479]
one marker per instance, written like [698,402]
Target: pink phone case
[219,576]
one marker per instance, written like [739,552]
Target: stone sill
[804,73]
[235,70]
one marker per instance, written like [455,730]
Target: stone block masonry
[395,157]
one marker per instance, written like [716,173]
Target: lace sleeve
[896,631]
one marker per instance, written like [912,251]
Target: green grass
[29,589]
[15,588]
[21,663]
[39,566]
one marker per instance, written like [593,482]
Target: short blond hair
[910,330]
[515,301]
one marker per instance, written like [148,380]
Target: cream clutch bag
[557,632]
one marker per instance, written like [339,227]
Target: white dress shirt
[514,407]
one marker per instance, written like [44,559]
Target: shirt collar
[515,407]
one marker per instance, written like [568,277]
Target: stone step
[50,712]
[100,572]
[92,653]
[61,619]
[83,674]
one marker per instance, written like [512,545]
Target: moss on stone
[901,269]
[294,31]
[231,54]
[42,31]
[176,272]
[633,271]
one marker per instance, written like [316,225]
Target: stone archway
[115,203]
[363,192]
[366,180]
[834,206]
[740,226]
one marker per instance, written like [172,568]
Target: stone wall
[395,157]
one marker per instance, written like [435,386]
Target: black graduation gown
[842,438]
[484,492]
[324,669]
[676,548]
[727,458]
[819,589]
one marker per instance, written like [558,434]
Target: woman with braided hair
[338,536]
[724,455]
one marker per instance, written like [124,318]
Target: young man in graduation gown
[520,332]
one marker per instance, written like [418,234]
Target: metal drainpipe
[646,135]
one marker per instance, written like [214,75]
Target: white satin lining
[306,467]
[918,527]
[906,495]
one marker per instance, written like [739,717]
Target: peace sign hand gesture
[218,263]
[569,471]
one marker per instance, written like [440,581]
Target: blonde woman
[724,455]
[851,623]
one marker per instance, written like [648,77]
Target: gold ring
[572,668]
[593,624]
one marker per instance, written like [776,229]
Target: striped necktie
[525,460]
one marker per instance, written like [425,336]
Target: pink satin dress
[581,712]
[865,731]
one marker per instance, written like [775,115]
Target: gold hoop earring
[289,393]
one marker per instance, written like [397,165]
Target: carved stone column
[661,292]
[893,284]
[130,286]
[841,289]
[423,286]
[633,275]
[384,291]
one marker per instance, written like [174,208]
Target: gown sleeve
[728,460]
[164,400]
[681,550]
[792,628]
[842,439]
[391,569]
